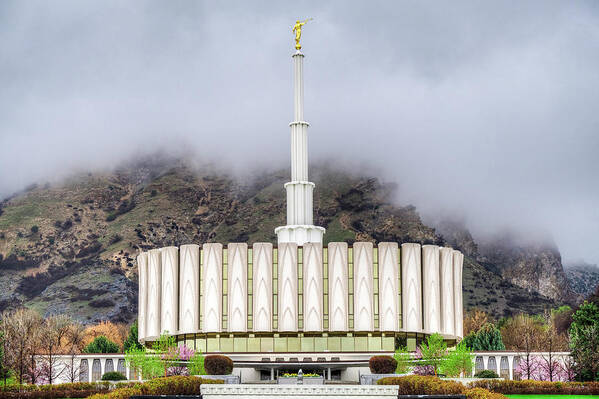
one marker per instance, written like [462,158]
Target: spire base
[300,234]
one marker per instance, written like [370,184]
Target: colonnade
[310,288]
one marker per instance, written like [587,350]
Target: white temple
[300,299]
[300,227]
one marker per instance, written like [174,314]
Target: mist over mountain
[70,247]
[487,112]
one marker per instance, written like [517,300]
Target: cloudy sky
[485,110]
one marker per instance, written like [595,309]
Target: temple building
[300,301]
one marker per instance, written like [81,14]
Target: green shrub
[510,387]
[176,385]
[429,385]
[458,361]
[196,364]
[486,374]
[382,365]
[101,344]
[218,365]
[73,390]
[113,376]
[403,359]
[423,385]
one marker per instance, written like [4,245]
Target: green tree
[132,338]
[196,364]
[458,361]
[101,344]
[148,365]
[584,341]
[166,347]
[487,338]
[403,358]
[434,351]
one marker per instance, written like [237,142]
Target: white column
[213,287]
[262,286]
[142,271]
[363,287]
[170,290]
[510,360]
[313,286]
[388,286]
[189,289]
[411,283]
[238,282]
[458,261]
[287,289]
[447,297]
[432,289]
[338,287]
[154,293]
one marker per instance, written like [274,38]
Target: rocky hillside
[70,248]
[583,277]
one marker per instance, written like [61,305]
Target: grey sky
[485,109]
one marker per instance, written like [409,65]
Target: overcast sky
[485,110]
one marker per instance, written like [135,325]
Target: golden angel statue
[297,28]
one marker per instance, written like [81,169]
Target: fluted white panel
[458,261]
[312,283]
[238,282]
[142,272]
[154,293]
[262,286]
[189,288]
[287,290]
[447,297]
[432,288]
[213,287]
[338,287]
[363,287]
[411,282]
[388,286]
[170,290]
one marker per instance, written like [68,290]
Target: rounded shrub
[382,365]
[486,374]
[113,376]
[218,365]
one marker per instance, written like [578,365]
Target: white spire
[300,227]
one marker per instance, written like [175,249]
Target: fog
[485,111]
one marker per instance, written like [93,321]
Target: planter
[371,379]
[306,380]
[228,379]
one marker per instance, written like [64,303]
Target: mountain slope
[70,248]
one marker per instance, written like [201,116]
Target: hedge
[218,365]
[429,385]
[113,376]
[176,385]
[72,390]
[486,374]
[382,365]
[538,387]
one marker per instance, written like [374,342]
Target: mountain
[583,277]
[71,247]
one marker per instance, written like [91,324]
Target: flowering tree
[539,369]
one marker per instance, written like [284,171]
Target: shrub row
[538,387]
[74,390]
[428,385]
[176,385]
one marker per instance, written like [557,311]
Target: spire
[300,227]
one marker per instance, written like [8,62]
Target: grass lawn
[552,396]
